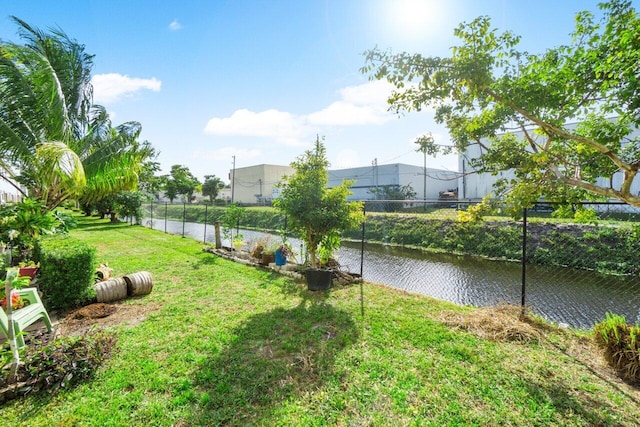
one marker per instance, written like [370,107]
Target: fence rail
[568,271]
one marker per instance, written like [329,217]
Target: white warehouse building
[397,174]
[474,186]
[256,184]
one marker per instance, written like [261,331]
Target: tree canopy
[212,186]
[559,119]
[53,139]
[181,181]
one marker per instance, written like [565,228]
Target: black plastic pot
[318,280]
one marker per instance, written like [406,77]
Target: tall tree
[488,89]
[53,139]
[390,194]
[182,181]
[148,182]
[211,187]
[316,213]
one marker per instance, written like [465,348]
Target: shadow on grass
[273,357]
[563,399]
[98,224]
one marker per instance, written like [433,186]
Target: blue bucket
[281,259]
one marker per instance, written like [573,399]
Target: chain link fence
[568,270]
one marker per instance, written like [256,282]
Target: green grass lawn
[224,343]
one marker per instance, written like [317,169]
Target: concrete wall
[255,184]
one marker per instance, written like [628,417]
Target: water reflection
[574,297]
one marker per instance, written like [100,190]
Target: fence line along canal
[579,299]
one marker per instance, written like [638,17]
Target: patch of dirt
[101,316]
[93,311]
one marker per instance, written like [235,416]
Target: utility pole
[424,184]
[374,163]
[233,179]
[425,143]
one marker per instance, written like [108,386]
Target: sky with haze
[258,80]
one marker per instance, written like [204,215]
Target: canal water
[567,296]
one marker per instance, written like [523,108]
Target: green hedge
[67,271]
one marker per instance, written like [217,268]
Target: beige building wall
[254,184]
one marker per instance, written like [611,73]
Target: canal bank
[579,299]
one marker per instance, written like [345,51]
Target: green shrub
[619,341]
[67,269]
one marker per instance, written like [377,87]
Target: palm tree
[53,140]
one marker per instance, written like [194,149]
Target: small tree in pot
[316,213]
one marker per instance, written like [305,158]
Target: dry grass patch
[503,323]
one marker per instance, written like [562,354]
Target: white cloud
[285,127]
[359,105]
[374,92]
[343,113]
[175,25]
[225,153]
[365,104]
[111,87]
[347,159]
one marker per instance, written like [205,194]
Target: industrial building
[366,179]
[474,186]
[256,184]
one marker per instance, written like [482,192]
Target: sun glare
[410,21]
[411,15]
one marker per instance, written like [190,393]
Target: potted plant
[28,269]
[264,250]
[238,242]
[283,252]
[316,213]
[230,220]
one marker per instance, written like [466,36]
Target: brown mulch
[101,315]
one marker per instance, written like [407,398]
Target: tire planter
[318,280]
[140,283]
[111,290]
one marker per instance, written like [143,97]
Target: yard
[222,343]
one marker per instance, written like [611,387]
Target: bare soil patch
[101,316]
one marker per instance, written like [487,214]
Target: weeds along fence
[568,270]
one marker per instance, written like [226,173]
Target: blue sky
[259,80]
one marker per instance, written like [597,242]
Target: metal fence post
[184,216]
[364,213]
[166,207]
[524,258]
[151,209]
[204,238]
